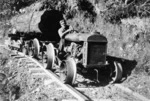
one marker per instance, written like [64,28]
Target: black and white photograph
[74,50]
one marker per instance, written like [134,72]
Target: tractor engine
[74,50]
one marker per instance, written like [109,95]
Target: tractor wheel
[68,71]
[36,48]
[50,56]
[116,72]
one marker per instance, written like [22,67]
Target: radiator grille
[96,53]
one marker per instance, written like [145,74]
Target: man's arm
[63,34]
[66,32]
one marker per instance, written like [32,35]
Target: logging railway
[37,34]
[36,69]
[80,71]
[72,93]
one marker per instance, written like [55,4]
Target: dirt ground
[139,83]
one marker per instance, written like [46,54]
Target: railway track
[37,70]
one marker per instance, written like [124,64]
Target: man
[63,31]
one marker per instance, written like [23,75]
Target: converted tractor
[86,52]
[37,36]
[81,53]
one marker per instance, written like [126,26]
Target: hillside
[125,23]
[128,36]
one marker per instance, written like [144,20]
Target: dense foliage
[9,7]
[119,9]
[116,9]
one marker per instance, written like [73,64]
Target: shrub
[118,10]
[8,7]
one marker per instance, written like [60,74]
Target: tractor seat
[77,37]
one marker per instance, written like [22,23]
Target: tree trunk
[45,22]
[27,22]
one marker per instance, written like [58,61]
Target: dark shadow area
[104,73]
[49,25]
[88,7]
[127,65]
